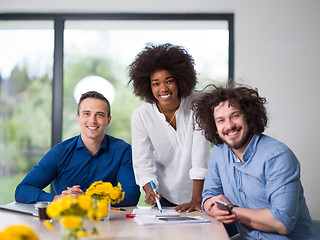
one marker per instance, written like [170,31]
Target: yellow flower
[85,202]
[103,208]
[102,194]
[66,203]
[108,187]
[18,232]
[122,196]
[94,231]
[96,183]
[54,209]
[48,225]
[82,233]
[119,186]
[93,215]
[71,222]
[115,193]
[99,189]
[91,189]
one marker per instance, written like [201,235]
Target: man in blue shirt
[256,175]
[74,164]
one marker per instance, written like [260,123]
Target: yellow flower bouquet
[71,213]
[103,194]
[93,205]
[18,232]
[104,190]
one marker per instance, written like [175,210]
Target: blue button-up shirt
[69,163]
[268,177]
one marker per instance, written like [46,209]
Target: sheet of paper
[154,212]
[147,221]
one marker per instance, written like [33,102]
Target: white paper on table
[154,212]
[145,221]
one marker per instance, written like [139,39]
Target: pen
[157,200]
[116,208]
[128,215]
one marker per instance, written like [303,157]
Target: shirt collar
[181,106]
[104,145]
[251,148]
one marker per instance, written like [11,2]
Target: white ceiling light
[94,83]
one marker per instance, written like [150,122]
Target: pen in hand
[157,199]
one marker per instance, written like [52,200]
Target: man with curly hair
[256,175]
[166,148]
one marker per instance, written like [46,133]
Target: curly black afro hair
[166,56]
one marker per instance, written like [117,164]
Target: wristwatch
[232,206]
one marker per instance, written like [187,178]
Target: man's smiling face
[232,127]
[93,118]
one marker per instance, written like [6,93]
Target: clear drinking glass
[42,210]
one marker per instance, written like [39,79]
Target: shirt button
[240,190]
[89,172]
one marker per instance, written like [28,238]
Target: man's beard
[241,142]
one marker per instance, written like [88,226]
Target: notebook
[149,211]
[23,208]
[147,221]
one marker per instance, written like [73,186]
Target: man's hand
[150,197]
[74,192]
[212,209]
[259,219]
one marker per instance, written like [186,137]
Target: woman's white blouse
[171,158]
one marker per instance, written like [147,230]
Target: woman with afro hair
[165,145]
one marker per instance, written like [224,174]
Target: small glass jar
[42,210]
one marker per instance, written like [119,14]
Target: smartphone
[223,206]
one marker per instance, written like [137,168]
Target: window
[26,64]
[60,52]
[104,48]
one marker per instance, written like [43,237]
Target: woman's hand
[189,207]
[150,197]
[195,204]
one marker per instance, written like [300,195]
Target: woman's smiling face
[164,87]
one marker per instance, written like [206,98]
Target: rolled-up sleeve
[283,188]
[212,184]
[200,155]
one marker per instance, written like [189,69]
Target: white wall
[276,50]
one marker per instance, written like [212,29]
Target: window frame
[59,20]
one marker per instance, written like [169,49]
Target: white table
[122,228]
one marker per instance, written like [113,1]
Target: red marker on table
[130,215]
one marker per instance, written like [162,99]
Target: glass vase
[107,218]
[69,234]
[97,205]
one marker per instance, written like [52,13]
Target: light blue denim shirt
[269,177]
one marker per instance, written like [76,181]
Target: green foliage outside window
[124,103]
[26,115]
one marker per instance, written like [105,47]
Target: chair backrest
[317,224]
